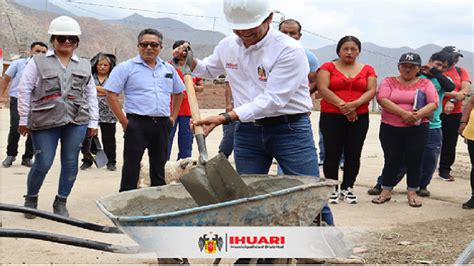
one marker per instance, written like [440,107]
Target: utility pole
[14,34]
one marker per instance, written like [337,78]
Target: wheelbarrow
[279,201]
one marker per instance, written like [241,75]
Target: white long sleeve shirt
[30,80]
[267,79]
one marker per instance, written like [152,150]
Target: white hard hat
[64,25]
[246,14]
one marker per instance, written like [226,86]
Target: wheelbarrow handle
[60,219]
[68,240]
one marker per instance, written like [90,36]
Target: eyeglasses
[153,45]
[64,38]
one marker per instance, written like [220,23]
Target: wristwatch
[452,100]
[227,118]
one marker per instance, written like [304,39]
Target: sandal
[381,199]
[414,202]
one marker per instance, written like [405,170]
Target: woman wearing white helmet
[57,101]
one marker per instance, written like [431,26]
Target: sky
[411,23]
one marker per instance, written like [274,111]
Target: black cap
[410,58]
[452,50]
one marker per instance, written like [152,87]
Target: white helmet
[64,25]
[246,14]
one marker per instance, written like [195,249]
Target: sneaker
[111,167]
[8,161]
[334,198]
[446,177]
[423,192]
[348,196]
[28,162]
[376,190]
[86,165]
[469,204]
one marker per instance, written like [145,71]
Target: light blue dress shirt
[14,71]
[147,90]
[312,60]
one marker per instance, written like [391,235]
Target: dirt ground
[392,232]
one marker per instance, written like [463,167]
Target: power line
[143,10]
[210,17]
[124,21]
[335,41]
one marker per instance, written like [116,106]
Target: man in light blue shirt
[13,74]
[292,28]
[147,83]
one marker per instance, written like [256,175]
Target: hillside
[385,60]
[120,38]
[30,23]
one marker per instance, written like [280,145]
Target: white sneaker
[334,198]
[348,196]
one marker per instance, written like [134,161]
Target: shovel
[100,159]
[214,180]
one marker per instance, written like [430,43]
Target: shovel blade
[197,184]
[101,159]
[225,181]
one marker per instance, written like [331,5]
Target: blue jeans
[185,137]
[45,142]
[321,146]
[291,144]
[431,154]
[227,143]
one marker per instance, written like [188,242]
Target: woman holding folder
[404,126]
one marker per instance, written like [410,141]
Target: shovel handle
[193,104]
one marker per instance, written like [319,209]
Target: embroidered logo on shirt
[262,74]
[231,66]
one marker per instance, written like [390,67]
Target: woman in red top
[347,88]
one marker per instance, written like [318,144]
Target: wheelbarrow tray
[279,201]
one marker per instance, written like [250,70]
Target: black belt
[154,118]
[278,120]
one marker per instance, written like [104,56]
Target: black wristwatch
[227,118]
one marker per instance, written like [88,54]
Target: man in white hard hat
[57,101]
[268,73]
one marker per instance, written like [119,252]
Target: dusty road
[437,232]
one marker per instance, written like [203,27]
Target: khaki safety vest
[60,96]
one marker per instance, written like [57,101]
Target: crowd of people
[270,80]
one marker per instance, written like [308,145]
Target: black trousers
[450,139]
[470,147]
[14,136]
[142,133]
[341,136]
[107,132]
[402,146]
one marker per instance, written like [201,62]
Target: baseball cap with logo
[410,58]
[452,50]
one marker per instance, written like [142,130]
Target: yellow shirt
[468,132]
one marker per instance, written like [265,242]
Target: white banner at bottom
[241,242]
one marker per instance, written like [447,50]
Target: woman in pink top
[346,87]
[404,126]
